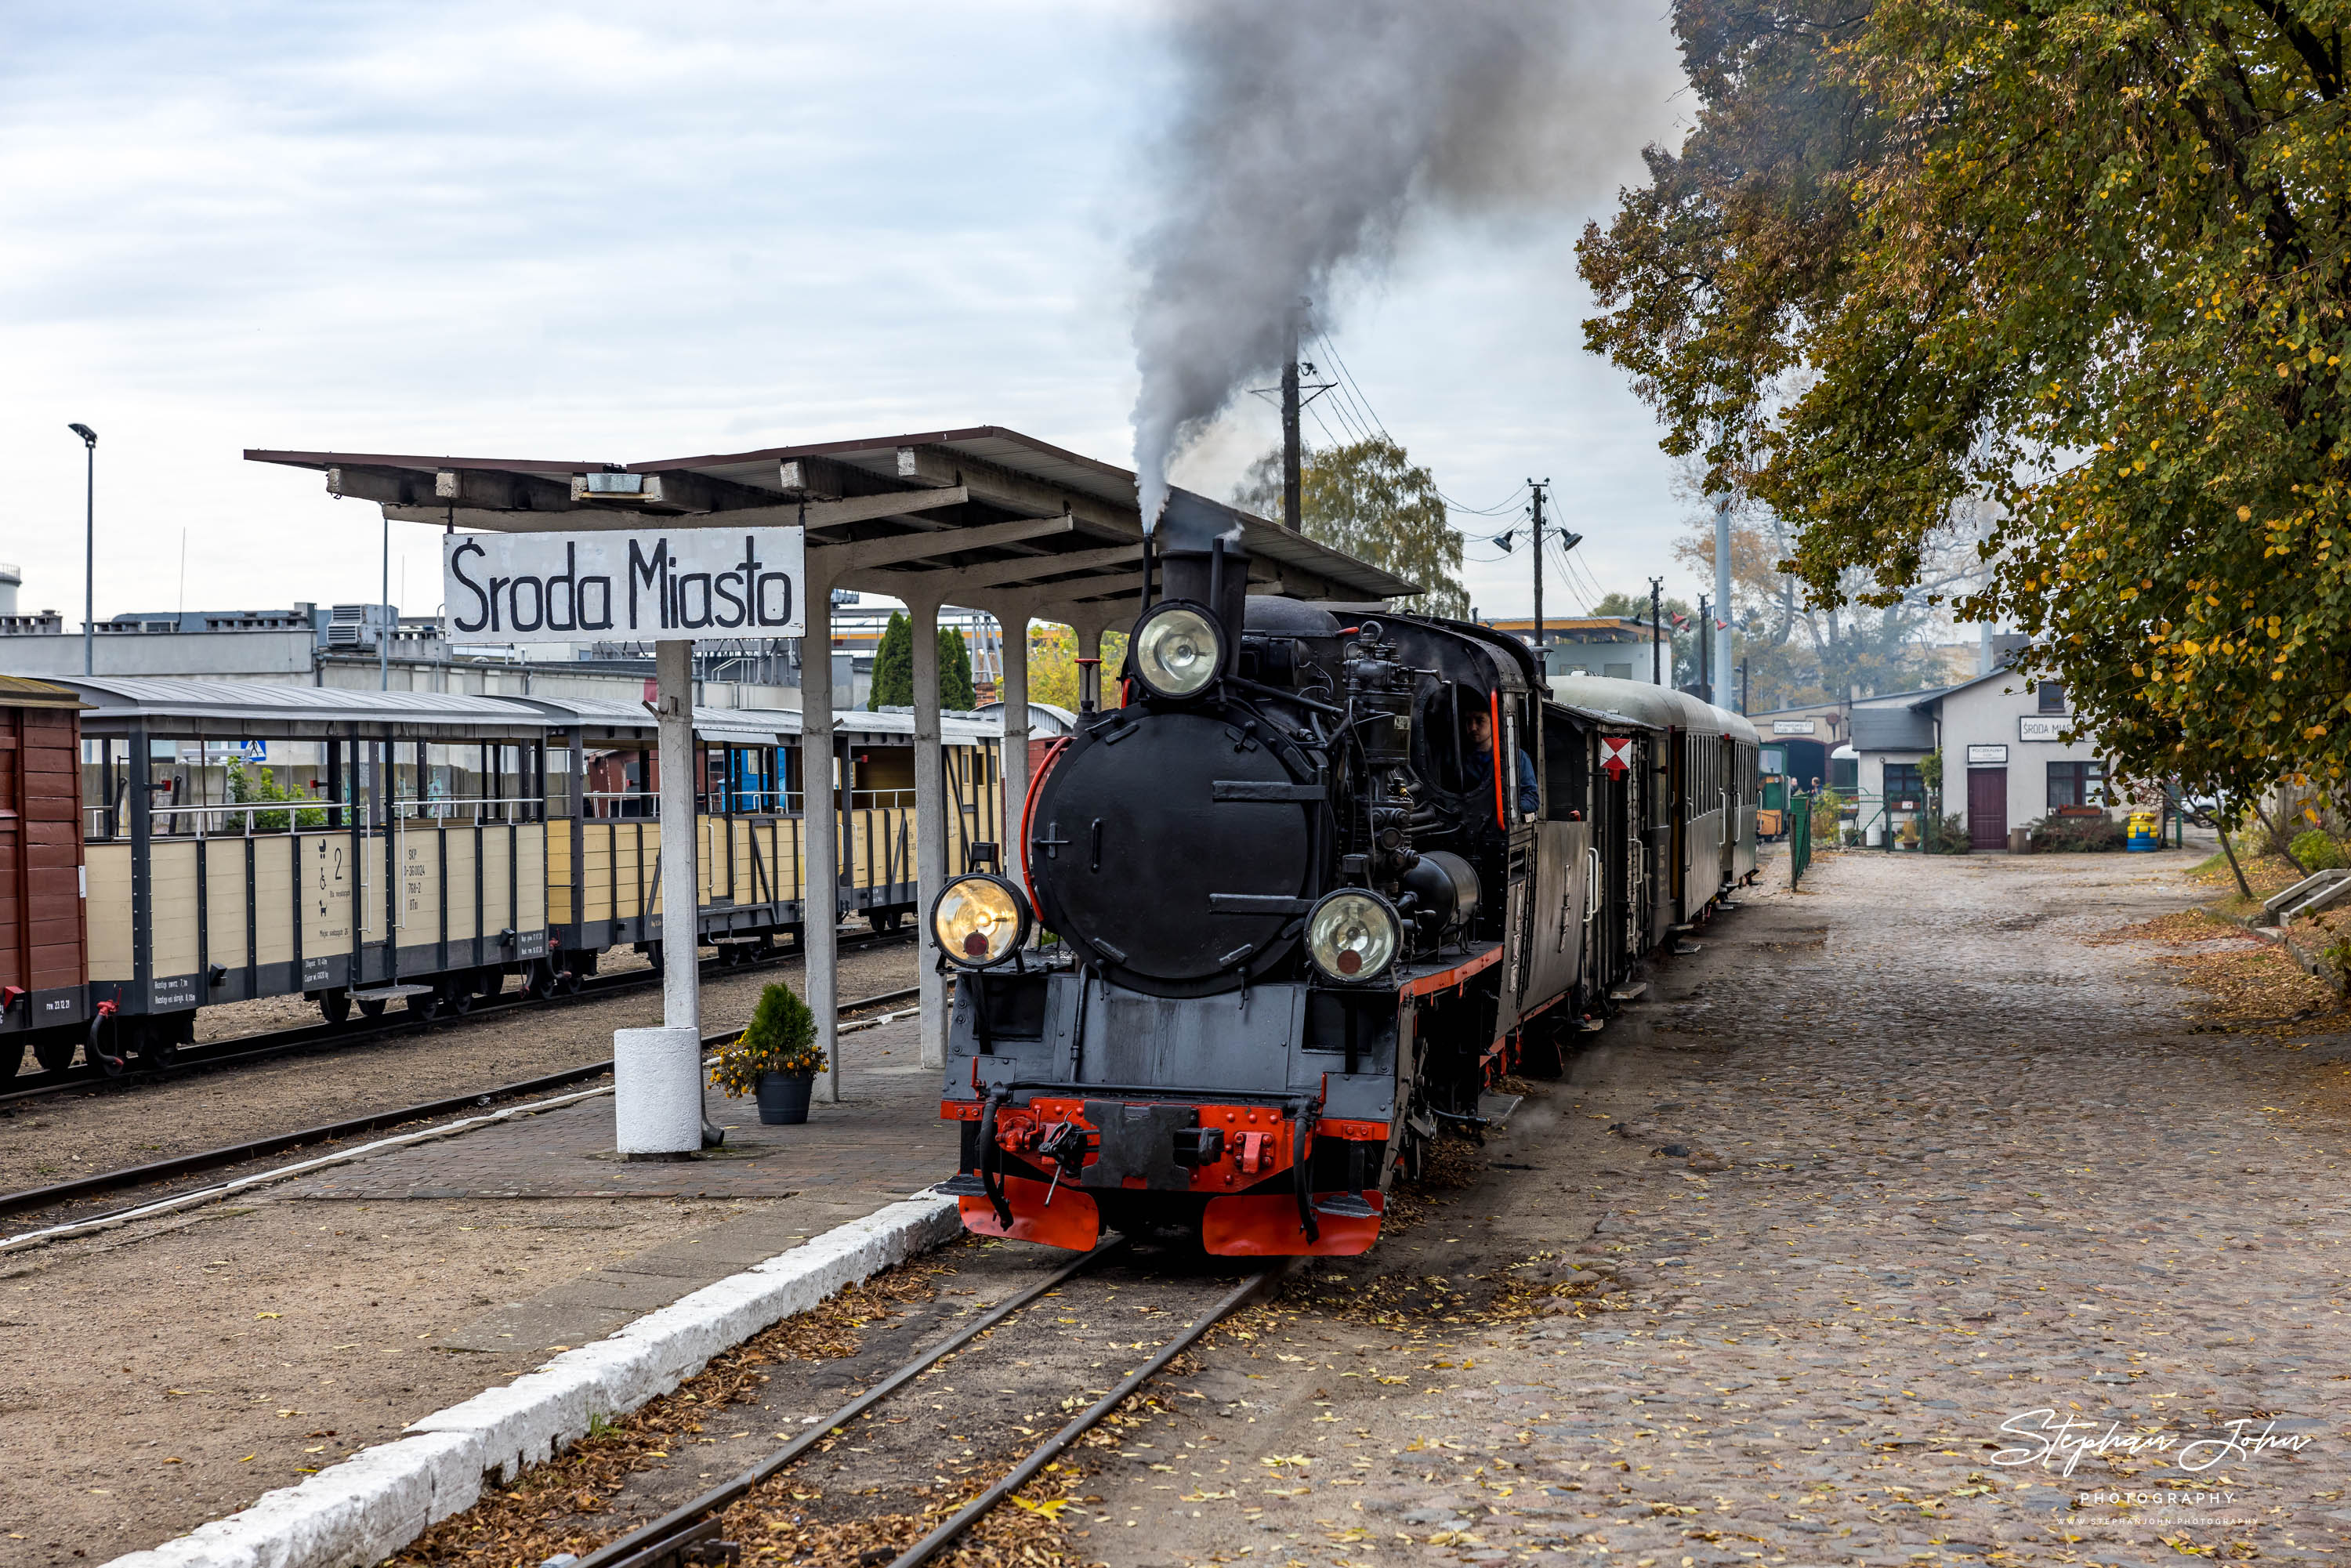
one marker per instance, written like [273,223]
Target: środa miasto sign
[643,585]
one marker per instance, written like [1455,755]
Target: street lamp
[89,546]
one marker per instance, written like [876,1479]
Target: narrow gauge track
[359,1032]
[39,1197]
[689,1535]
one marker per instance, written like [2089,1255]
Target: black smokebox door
[1169,843]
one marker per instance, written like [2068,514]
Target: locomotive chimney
[1202,560]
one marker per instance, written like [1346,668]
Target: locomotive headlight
[1177,649]
[1351,935]
[980,919]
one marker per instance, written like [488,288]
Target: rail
[688,1534]
[245,818]
[629,805]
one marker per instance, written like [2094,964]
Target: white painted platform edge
[380,1498]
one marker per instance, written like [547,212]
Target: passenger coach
[247,839]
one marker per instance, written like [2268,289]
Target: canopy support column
[930,823]
[657,1072]
[1013,618]
[820,822]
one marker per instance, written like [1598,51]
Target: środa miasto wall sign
[637,586]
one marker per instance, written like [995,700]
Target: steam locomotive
[1314,890]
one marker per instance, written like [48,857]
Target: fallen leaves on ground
[555,1507]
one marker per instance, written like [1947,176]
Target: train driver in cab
[1477,767]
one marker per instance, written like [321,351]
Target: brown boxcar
[42,972]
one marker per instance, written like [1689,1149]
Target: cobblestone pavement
[1892,1193]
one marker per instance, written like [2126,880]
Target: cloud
[597,232]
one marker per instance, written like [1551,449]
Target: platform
[308,1319]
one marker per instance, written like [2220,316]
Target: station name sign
[1791,727]
[643,585]
[2033,726]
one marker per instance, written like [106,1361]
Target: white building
[2005,764]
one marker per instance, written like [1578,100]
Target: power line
[1352,391]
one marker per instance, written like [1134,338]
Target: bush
[1950,837]
[2075,835]
[780,1038]
[2318,850]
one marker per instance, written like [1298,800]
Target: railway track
[357,1030]
[33,1199]
[872,1462]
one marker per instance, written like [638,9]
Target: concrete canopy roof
[1002,514]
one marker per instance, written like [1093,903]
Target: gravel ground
[133,1122]
[1894,1162]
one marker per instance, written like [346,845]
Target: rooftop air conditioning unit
[357,626]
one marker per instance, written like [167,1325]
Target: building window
[2077,784]
[1904,783]
[2052,697]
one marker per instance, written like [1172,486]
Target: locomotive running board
[1629,992]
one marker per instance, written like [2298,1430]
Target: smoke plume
[1308,130]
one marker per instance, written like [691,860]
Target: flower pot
[784,1097]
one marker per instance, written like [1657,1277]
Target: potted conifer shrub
[774,1058]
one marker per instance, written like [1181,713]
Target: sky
[614,233]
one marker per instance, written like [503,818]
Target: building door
[1987,808]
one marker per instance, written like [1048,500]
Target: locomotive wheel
[1539,1055]
[334,1005]
[371,1007]
[102,1052]
[12,1058]
[55,1051]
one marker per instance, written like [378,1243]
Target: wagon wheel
[539,981]
[12,1058]
[158,1044]
[102,1052]
[334,1005]
[424,1004]
[55,1049]
[371,1007]
[570,978]
[458,996]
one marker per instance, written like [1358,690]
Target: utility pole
[1538,486]
[1292,504]
[1721,638]
[1656,630]
[88,548]
[1706,654]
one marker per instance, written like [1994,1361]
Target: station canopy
[1005,514]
